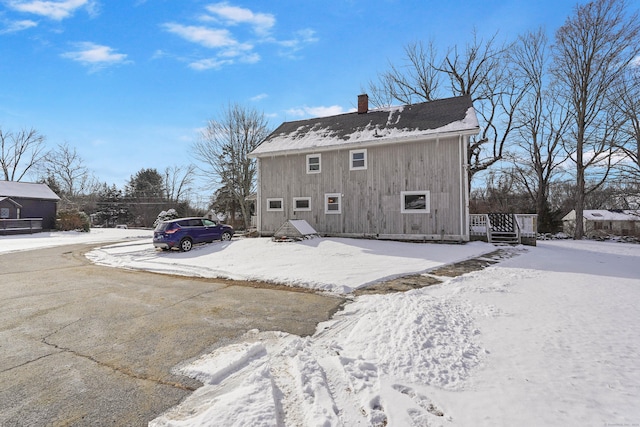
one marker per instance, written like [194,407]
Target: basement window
[333,203]
[275,205]
[313,163]
[414,202]
[302,204]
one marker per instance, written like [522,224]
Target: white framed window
[4,213]
[414,202]
[302,203]
[275,204]
[333,203]
[314,163]
[357,159]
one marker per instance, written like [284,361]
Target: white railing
[528,224]
[479,225]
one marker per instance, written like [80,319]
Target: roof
[27,190]
[10,200]
[606,215]
[385,125]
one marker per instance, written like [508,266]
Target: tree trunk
[580,196]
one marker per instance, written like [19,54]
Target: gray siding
[371,198]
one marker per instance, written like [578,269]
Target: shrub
[73,220]
[166,216]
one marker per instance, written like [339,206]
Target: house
[618,222]
[27,206]
[390,173]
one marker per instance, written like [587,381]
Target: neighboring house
[27,200]
[391,173]
[618,222]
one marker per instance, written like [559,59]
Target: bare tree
[20,152]
[177,182]
[67,168]
[417,80]
[223,152]
[479,70]
[540,123]
[593,48]
[626,98]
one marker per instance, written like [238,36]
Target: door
[212,229]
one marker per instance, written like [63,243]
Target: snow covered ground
[549,337]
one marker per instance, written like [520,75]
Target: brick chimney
[363,103]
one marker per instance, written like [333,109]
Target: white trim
[326,203]
[464,197]
[259,196]
[308,165]
[427,201]
[296,209]
[275,199]
[360,151]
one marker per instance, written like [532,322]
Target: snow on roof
[612,215]
[605,215]
[27,190]
[382,125]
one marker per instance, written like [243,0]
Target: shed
[28,201]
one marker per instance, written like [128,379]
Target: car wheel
[186,245]
[226,236]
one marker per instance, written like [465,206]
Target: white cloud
[95,55]
[209,64]
[56,10]
[16,26]
[300,39]
[216,30]
[259,97]
[207,37]
[320,111]
[262,23]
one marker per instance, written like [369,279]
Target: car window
[209,223]
[161,227]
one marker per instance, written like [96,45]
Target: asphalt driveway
[82,344]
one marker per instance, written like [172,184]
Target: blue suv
[183,233]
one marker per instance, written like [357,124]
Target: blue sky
[130,83]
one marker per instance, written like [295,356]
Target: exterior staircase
[503,230]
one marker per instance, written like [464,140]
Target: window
[302,203]
[274,205]
[414,201]
[4,212]
[333,203]
[313,163]
[357,159]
